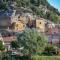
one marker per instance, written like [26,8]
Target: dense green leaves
[1,46]
[14,44]
[32,41]
[23,3]
[51,50]
[3,6]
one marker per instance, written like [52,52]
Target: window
[40,22]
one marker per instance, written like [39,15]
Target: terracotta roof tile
[52,30]
[9,39]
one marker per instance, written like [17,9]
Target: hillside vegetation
[39,7]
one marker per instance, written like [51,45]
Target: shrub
[16,57]
[14,44]
[51,50]
[2,47]
[32,41]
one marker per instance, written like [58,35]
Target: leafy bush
[3,6]
[32,41]
[14,44]
[51,50]
[16,57]
[2,47]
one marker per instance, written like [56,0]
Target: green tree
[1,46]
[3,6]
[14,44]
[23,3]
[56,19]
[33,41]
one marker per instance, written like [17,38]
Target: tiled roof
[52,31]
[9,39]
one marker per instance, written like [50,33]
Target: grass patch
[46,58]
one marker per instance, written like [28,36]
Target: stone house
[40,24]
[53,35]
[19,26]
